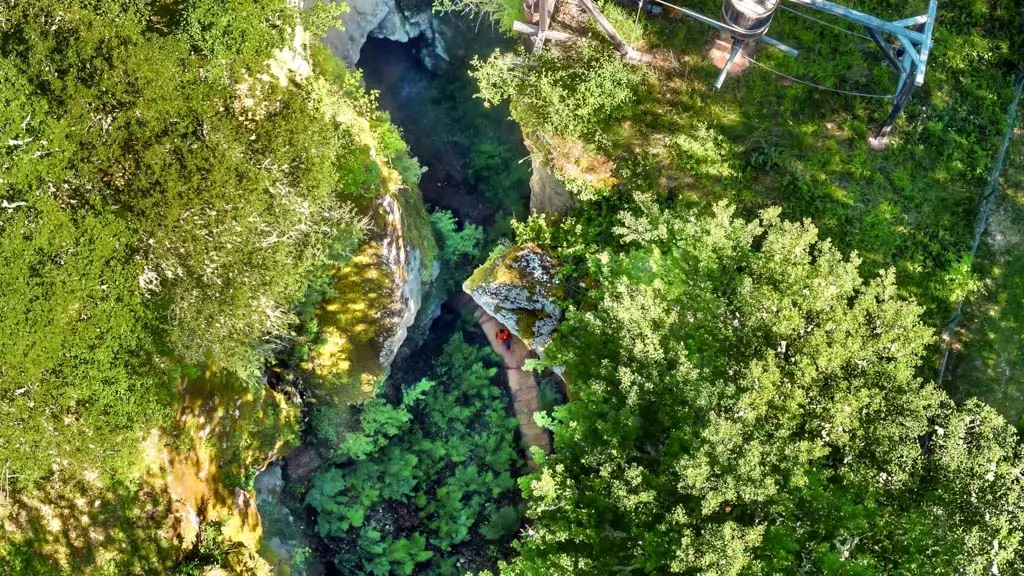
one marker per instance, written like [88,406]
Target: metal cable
[983,212]
[819,86]
[639,7]
[823,23]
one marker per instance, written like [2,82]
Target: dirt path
[521,383]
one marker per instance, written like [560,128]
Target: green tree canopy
[164,201]
[744,403]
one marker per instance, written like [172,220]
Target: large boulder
[520,288]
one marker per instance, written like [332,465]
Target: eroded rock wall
[378,295]
[392,20]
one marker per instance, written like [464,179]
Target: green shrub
[502,523]
[157,222]
[575,91]
[735,382]
[456,244]
[327,423]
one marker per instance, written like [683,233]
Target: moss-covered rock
[520,288]
[226,432]
[378,294]
[566,172]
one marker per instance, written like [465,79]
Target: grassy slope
[761,141]
[992,362]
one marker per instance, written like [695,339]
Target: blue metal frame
[914,35]
[917,43]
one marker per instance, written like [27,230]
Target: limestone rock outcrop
[391,20]
[547,193]
[557,161]
[378,295]
[519,287]
[409,251]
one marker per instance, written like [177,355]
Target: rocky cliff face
[547,193]
[409,252]
[378,295]
[392,20]
[520,289]
[225,430]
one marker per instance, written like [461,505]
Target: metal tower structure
[748,21]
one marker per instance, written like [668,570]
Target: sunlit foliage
[745,403]
[164,202]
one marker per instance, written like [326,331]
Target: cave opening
[473,156]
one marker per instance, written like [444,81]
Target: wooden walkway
[522,384]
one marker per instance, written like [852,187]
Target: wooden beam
[632,56]
[545,21]
[531,30]
[638,57]
[620,45]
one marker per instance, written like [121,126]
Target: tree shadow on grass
[79,528]
[990,354]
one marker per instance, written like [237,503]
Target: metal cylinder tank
[749,18]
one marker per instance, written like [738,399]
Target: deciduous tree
[745,403]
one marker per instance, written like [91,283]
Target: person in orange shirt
[505,337]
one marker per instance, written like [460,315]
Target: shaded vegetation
[72,530]
[417,481]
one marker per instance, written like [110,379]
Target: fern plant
[421,476]
[502,523]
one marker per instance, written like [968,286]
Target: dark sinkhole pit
[474,156]
[476,167]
